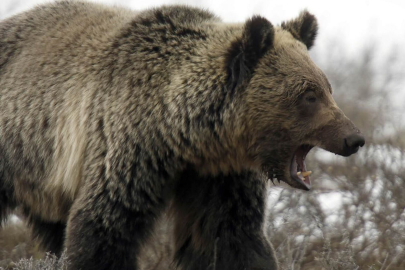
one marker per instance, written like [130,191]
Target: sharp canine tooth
[307,173]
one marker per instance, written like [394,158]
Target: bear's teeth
[307,173]
[298,173]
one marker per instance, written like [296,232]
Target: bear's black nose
[353,143]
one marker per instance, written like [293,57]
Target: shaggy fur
[108,116]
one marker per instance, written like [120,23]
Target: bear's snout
[352,143]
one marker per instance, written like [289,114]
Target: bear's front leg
[111,220]
[99,236]
[219,223]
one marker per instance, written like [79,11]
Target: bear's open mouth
[298,170]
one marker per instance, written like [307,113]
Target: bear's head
[289,103]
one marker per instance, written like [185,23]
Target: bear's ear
[257,38]
[244,53]
[303,28]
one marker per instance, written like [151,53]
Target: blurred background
[354,218]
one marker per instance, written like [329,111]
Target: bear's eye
[309,103]
[310,98]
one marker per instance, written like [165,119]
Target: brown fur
[108,115]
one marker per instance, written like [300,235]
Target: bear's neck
[194,112]
[209,114]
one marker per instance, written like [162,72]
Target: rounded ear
[244,53]
[257,38]
[304,28]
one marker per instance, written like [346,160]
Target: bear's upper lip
[298,170]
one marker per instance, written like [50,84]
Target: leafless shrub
[50,262]
[16,243]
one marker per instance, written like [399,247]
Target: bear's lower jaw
[298,172]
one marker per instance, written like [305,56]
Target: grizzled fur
[108,117]
[234,204]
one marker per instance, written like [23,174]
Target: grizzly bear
[108,117]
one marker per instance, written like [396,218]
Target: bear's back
[58,26]
[65,66]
